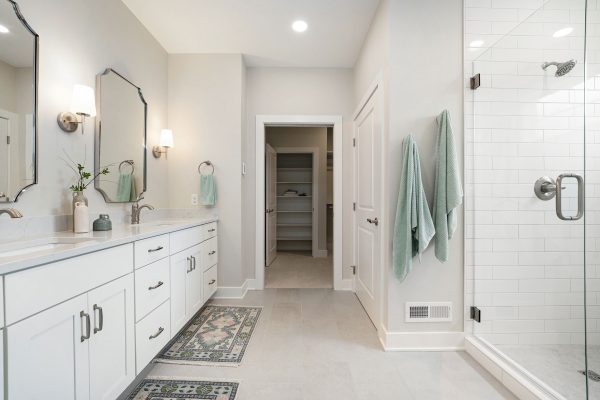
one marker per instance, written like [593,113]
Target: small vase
[78,197]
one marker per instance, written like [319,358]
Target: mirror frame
[36,40]
[98,135]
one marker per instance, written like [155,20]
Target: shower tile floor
[313,344]
[558,366]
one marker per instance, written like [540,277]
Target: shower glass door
[529,157]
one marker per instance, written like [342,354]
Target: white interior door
[368,135]
[271,204]
[4,158]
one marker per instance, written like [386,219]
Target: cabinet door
[194,298]
[112,348]
[180,267]
[48,355]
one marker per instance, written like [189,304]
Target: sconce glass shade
[166,138]
[83,101]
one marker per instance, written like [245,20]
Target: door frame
[315,190]
[264,121]
[374,89]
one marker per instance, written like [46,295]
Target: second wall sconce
[83,104]
[166,142]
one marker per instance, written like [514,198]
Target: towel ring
[208,163]
[127,162]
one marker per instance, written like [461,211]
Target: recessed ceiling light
[299,26]
[562,32]
[3,29]
[476,43]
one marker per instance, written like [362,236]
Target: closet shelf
[295,238]
[294,197]
[290,183]
[294,225]
[292,211]
[294,169]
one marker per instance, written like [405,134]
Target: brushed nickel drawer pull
[189,259]
[212,252]
[159,284]
[211,230]
[100,318]
[159,248]
[157,334]
[83,315]
[194,260]
[212,282]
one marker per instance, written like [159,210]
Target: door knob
[374,221]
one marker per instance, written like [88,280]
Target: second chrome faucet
[136,209]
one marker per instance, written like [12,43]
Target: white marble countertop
[121,234]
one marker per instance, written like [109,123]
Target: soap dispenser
[81,218]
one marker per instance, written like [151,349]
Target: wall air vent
[428,312]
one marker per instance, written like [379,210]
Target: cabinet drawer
[151,287]
[152,334]
[36,289]
[209,230]
[152,249]
[209,253]
[210,282]
[185,239]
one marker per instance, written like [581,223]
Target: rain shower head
[561,68]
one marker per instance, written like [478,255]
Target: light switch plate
[194,199]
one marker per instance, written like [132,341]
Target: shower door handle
[580,197]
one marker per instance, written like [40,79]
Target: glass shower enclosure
[532,204]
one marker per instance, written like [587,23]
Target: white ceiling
[261,29]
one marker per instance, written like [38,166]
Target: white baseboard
[346,284]
[232,292]
[320,253]
[421,341]
[515,378]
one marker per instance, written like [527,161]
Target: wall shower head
[561,68]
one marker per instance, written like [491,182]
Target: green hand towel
[448,191]
[414,227]
[124,187]
[207,190]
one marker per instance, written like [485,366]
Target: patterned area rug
[171,389]
[218,335]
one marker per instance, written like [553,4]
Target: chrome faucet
[136,208]
[12,212]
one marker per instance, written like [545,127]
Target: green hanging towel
[448,191]
[414,227]
[207,190]
[124,187]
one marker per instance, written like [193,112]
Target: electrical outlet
[194,199]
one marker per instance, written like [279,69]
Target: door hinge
[353,142]
[475,314]
[475,81]
[353,206]
[353,267]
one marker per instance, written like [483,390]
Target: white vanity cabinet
[193,249]
[85,326]
[79,349]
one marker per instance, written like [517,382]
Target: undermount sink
[35,246]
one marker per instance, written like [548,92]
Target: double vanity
[83,316]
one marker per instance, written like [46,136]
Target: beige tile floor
[299,270]
[313,344]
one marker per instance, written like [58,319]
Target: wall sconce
[166,142]
[83,104]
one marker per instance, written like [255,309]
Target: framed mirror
[120,138]
[18,102]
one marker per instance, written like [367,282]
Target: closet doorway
[296,222]
[298,191]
